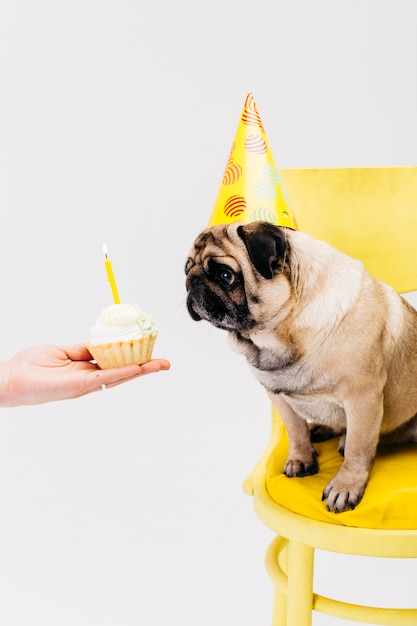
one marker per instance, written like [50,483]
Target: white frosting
[121,322]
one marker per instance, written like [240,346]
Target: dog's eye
[226,277]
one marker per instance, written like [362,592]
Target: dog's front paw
[343,494]
[298,468]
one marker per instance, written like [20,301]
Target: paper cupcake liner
[123,353]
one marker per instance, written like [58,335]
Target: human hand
[50,373]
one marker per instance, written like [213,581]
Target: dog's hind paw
[321,432]
[295,468]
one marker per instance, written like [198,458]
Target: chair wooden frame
[290,561]
[290,557]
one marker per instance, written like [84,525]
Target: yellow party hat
[251,187]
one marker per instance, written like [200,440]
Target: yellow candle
[110,275]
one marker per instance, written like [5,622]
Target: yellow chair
[371,214]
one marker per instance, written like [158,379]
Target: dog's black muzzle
[203,303]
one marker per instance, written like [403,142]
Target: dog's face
[229,272]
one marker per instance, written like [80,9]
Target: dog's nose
[196,280]
[193,281]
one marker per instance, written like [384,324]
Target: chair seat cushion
[390,500]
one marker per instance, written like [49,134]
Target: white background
[116,119]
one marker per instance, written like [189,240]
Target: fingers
[99,379]
[154,365]
[79,352]
[119,375]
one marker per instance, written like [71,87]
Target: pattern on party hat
[251,187]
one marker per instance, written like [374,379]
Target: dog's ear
[266,245]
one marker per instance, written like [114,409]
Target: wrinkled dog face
[225,269]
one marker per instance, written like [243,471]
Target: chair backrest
[368,213]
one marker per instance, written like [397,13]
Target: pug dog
[335,349]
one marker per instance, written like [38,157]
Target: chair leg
[300,584]
[276,562]
[280,594]
[279,617]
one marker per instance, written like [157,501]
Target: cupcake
[122,334]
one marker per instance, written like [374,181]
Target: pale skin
[50,373]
